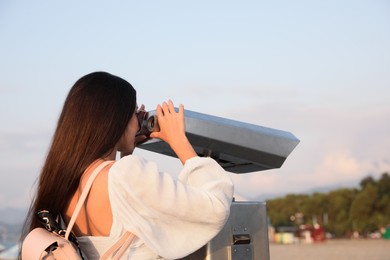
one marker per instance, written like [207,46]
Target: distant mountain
[270,196]
[343,185]
[259,197]
[12,216]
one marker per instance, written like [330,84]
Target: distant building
[285,235]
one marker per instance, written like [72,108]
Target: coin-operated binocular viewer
[239,148]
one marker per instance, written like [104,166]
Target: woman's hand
[171,122]
[172,130]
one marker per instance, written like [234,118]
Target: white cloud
[339,146]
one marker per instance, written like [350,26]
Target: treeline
[364,209]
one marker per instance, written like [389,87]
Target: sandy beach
[333,250]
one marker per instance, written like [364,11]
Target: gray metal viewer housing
[239,148]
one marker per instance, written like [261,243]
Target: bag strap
[123,243]
[119,247]
[83,196]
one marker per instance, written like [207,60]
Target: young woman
[169,218]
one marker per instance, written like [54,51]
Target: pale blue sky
[318,69]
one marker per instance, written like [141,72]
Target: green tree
[383,202]
[281,211]
[315,208]
[338,211]
[363,208]
[384,185]
[368,180]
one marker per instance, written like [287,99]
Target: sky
[317,69]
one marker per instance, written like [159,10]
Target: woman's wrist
[183,149]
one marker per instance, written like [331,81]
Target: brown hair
[94,117]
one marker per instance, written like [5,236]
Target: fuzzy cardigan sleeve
[172,217]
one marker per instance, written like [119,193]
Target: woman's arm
[173,218]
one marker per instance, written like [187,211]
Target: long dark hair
[94,117]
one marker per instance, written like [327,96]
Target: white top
[170,218]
